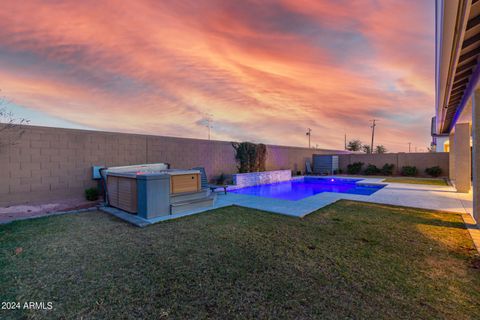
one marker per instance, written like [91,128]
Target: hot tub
[154,190]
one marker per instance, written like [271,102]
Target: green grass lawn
[429,181]
[347,260]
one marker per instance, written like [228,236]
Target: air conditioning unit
[325,164]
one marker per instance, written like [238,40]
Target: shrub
[371,170]
[221,179]
[409,171]
[434,171]
[354,168]
[261,157]
[250,157]
[91,194]
[387,169]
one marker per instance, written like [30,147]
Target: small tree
[243,153]
[250,156]
[366,148]
[10,127]
[354,145]
[261,157]
[380,149]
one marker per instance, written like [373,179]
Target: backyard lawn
[347,260]
[429,181]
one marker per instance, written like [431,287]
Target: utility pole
[373,133]
[409,146]
[309,134]
[208,122]
[345,141]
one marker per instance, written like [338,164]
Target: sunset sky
[265,70]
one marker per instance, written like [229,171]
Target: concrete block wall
[419,160]
[49,164]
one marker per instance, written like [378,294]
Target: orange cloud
[265,70]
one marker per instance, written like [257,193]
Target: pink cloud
[266,70]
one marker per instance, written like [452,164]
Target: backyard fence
[399,160]
[49,164]
[54,163]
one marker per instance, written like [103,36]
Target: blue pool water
[308,186]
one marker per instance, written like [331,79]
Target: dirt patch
[24,211]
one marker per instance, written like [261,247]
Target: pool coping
[359,181]
[431,197]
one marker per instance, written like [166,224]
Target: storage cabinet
[122,193]
[185,183]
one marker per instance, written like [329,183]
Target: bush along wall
[354,168]
[387,169]
[91,194]
[250,157]
[434,171]
[371,170]
[409,171]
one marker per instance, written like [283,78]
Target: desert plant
[91,194]
[409,171]
[387,169]
[433,171]
[371,170]
[354,168]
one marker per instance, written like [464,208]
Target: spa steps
[191,201]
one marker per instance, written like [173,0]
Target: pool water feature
[298,189]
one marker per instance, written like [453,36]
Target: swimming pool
[298,189]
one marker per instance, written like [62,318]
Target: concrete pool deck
[443,198]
